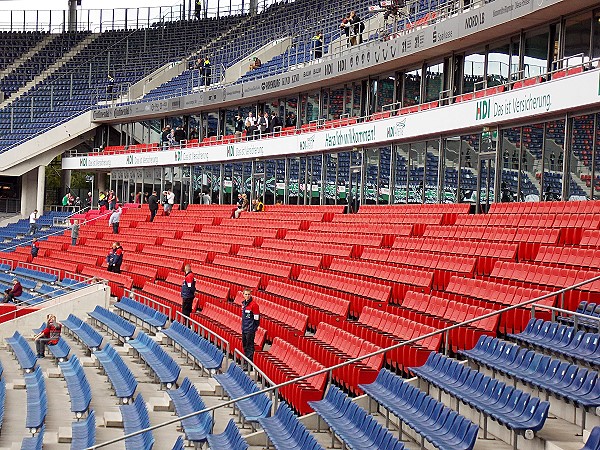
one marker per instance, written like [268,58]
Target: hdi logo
[230,151]
[483,110]
[129,159]
[178,156]
[83,162]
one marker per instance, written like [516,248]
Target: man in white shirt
[250,126]
[170,202]
[115,218]
[33,222]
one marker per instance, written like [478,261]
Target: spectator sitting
[255,64]
[11,295]
[48,336]
[242,206]
[257,205]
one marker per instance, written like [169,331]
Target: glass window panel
[412,88]
[371,183]
[343,177]
[582,148]
[385,91]
[312,107]
[434,81]
[331,165]
[577,40]
[498,65]
[356,99]
[535,60]
[553,160]
[469,148]
[401,171]
[473,72]
[596,37]
[385,171]
[336,103]
[509,183]
[451,156]
[596,165]
[431,171]
[416,181]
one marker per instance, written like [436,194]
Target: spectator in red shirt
[188,291]
[35,248]
[11,295]
[48,336]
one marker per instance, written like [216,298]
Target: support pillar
[101,181]
[65,181]
[41,188]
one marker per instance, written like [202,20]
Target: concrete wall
[156,78]
[29,190]
[78,302]
[265,53]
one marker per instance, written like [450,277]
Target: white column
[41,189]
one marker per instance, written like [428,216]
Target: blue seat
[207,354]
[115,323]
[187,400]
[236,383]
[229,439]
[37,401]
[285,431]
[561,339]
[559,378]
[34,442]
[51,291]
[162,364]
[143,312]
[36,275]
[428,417]
[179,444]
[2,400]
[521,413]
[77,384]
[593,442]
[40,329]
[72,284]
[135,418]
[84,332]
[60,350]
[121,378]
[84,432]
[352,424]
[27,284]
[23,352]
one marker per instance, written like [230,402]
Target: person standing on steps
[115,258]
[188,291]
[153,205]
[250,323]
[75,232]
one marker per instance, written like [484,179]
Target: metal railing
[329,370]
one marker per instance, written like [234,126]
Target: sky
[86,4]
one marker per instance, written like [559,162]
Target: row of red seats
[400,278]
[569,256]
[590,238]
[434,208]
[248,231]
[453,312]
[140,274]
[319,307]
[385,330]
[255,221]
[587,206]
[235,281]
[117,281]
[331,346]
[165,295]
[306,247]
[210,248]
[394,229]
[227,325]
[395,218]
[358,292]
[282,322]
[164,264]
[291,215]
[521,274]
[513,321]
[287,257]
[358,240]
[499,250]
[265,270]
[539,220]
[233,240]
[284,362]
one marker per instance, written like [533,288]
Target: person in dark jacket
[153,205]
[35,248]
[179,135]
[188,291]
[11,295]
[115,258]
[240,126]
[250,323]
